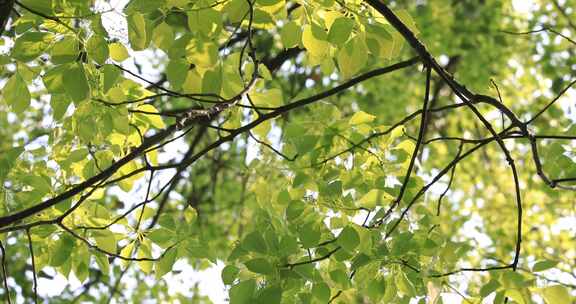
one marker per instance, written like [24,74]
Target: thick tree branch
[467,97]
[207,116]
[5,11]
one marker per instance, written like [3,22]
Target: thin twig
[5,274]
[33,266]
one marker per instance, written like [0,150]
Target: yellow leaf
[193,83]
[204,56]
[269,98]
[361,117]
[556,294]
[118,52]
[314,39]
[405,17]
[374,198]
[155,120]
[144,252]
[127,253]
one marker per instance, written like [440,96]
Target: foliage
[352,151]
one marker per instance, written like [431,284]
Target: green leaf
[489,288]
[212,82]
[260,265]
[556,294]
[97,49]
[309,235]
[405,17]
[176,72]
[404,285]
[162,237]
[229,274]
[288,246]
[80,261]
[16,94]
[294,210]
[352,57]
[207,22]
[120,123]
[105,240]
[59,104]
[340,31]
[544,265]
[360,260]
[267,2]
[39,6]
[102,261]
[284,197]
[321,292]
[62,250]
[349,238]
[270,295]
[340,277]
[203,55]
[144,6]
[31,45]
[38,183]
[76,83]
[263,19]
[65,50]
[376,289]
[305,271]
[110,76]
[7,161]
[333,189]
[163,36]
[380,42]
[512,280]
[137,31]
[54,79]
[243,292]
[166,262]
[391,291]
[373,198]
[255,242]
[305,144]
[291,34]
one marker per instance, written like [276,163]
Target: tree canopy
[330,151]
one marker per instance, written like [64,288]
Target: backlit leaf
[349,238]
[291,34]
[229,274]
[260,265]
[76,82]
[242,292]
[137,32]
[315,40]
[556,294]
[15,93]
[118,51]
